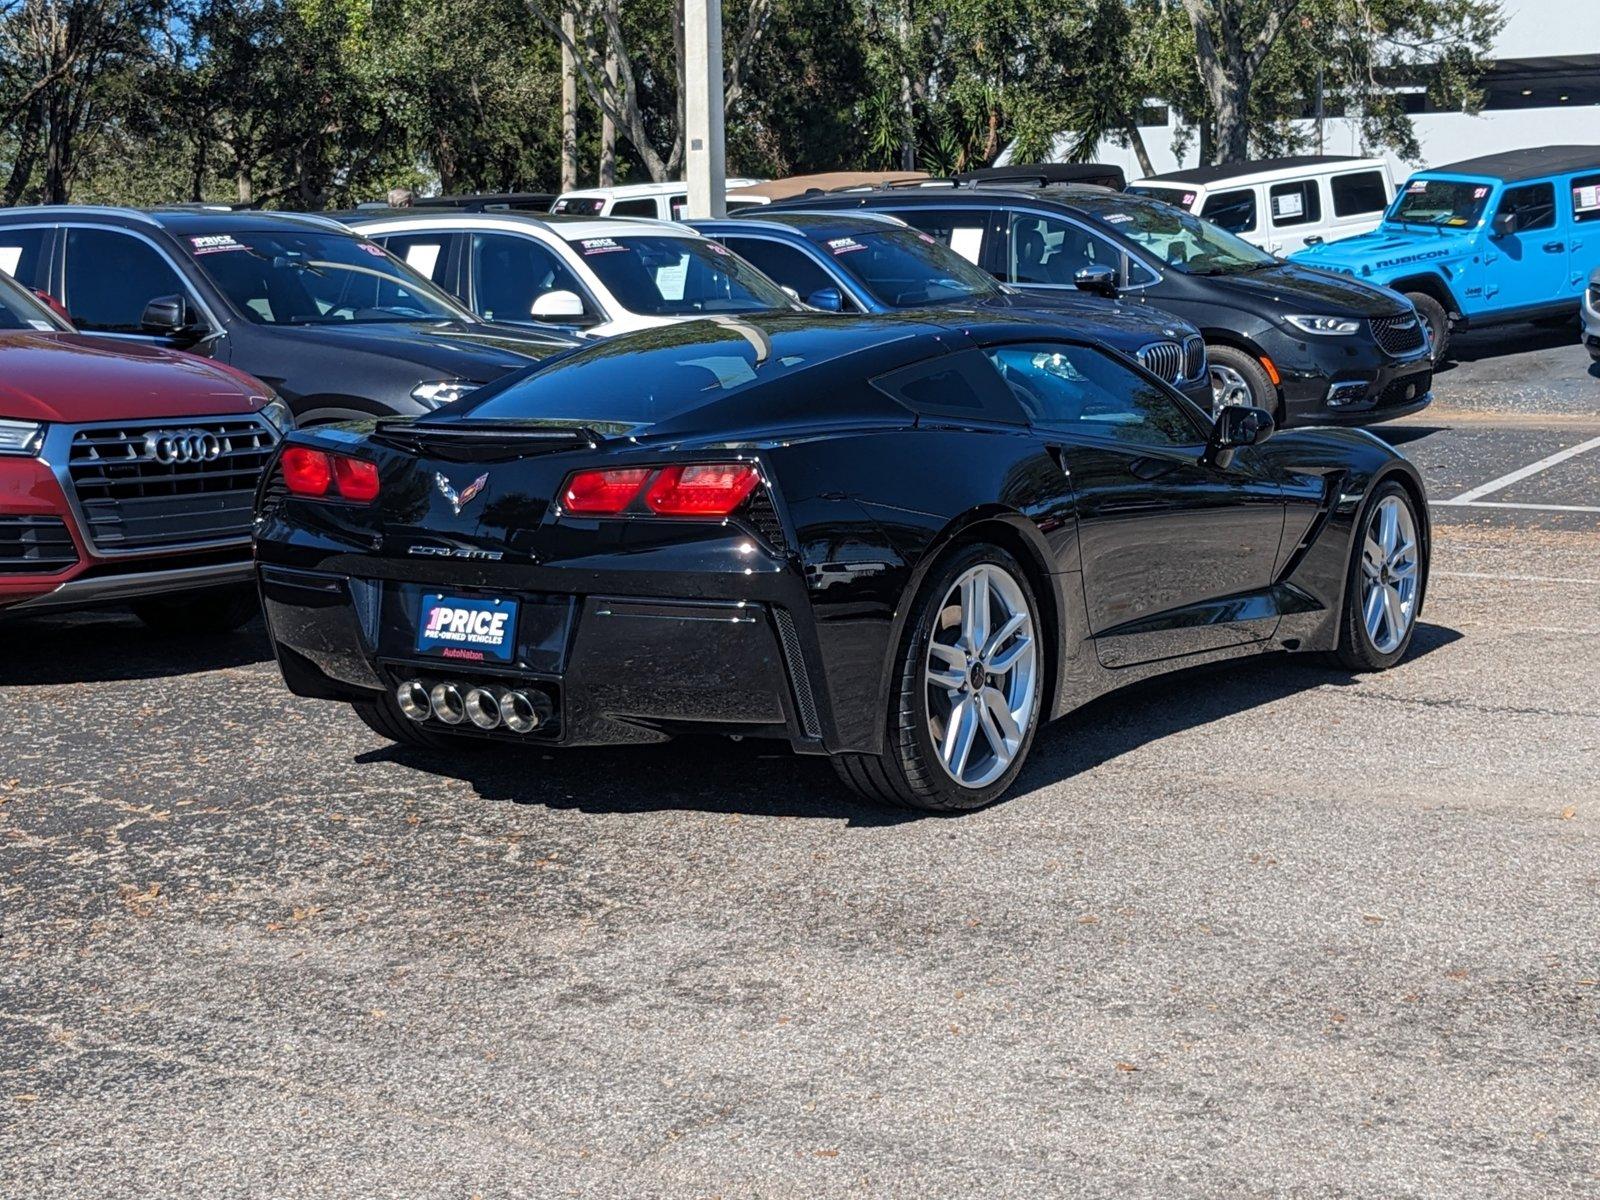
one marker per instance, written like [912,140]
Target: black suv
[1312,346]
[327,318]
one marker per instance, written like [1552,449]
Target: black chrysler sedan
[1312,346]
[902,542]
[871,262]
[326,318]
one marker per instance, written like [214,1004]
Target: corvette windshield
[307,277]
[1440,202]
[1182,240]
[904,268]
[665,276]
[18,310]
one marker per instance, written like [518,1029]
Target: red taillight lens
[357,479]
[307,472]
[702,489]
[603,493]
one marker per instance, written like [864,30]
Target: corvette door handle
[1554,247]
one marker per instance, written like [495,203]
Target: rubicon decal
[457,627]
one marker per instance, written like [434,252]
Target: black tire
[220,610]
[1437,320]
[1356,651]
[1262,392]
[385,719]
[908,773]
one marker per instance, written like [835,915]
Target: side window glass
[1533,204]
[1083,390]
[1047,250]
[954,385]
[111,277]
[784,265]
[961,231]
[634,208]
[1359,193]
[676,206]
[22,256]
[510,273]
[1234,211]
[1297,203]
[1585,199]
[424,253]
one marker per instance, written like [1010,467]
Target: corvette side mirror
[1238,425]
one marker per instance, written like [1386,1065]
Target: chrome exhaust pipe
[483,708]
[447,703]
[523,713]
[412,698]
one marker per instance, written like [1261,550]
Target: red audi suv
[127,474]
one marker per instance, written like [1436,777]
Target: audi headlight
[442,391]
[278,414]
[21,437]
[1325,326]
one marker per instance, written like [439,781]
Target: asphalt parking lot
[1267,931]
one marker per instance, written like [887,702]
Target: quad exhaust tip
[487,708]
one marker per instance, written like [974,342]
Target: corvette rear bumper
[616,669]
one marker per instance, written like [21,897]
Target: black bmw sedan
[902,542]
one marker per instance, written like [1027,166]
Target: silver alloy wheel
[1229,387]
[1389,574]
[981,675]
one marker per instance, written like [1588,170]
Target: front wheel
[1237,378]
[1436,319]
[969,694]
[1383,592]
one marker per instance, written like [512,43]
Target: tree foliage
[315,103]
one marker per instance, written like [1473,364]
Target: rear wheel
[969,690]
[1436,319]
[221,610]
[1237,378]
[1388,571]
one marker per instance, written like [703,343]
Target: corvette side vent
[805,701]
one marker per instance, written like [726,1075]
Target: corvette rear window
[656,375]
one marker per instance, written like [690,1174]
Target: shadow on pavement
[763,779]
[100,646]
[1474,345]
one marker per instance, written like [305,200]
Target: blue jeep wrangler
[1507,237]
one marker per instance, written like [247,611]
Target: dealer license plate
[469,628]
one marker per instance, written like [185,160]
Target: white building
[1543,89]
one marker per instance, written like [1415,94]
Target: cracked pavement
[1269,930]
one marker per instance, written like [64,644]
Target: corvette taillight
[701,489]
[312,473]
[680,490]
[603,493]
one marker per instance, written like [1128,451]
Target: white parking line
[1459,503]
[1505,481]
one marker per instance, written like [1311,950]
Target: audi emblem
[182,446]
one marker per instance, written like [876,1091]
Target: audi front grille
[1164,359]
[1398,335]
[174,483]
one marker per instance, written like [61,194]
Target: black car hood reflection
[1319,292]
[1105,314]
[456,348]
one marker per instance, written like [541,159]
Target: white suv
[664,201]
[598,277]
[1282,204]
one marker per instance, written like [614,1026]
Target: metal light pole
[702,108]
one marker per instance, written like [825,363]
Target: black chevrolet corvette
[904,543]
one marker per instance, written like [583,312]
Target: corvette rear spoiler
[483,439]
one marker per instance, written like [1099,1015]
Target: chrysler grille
[1398,335]
[133,500]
